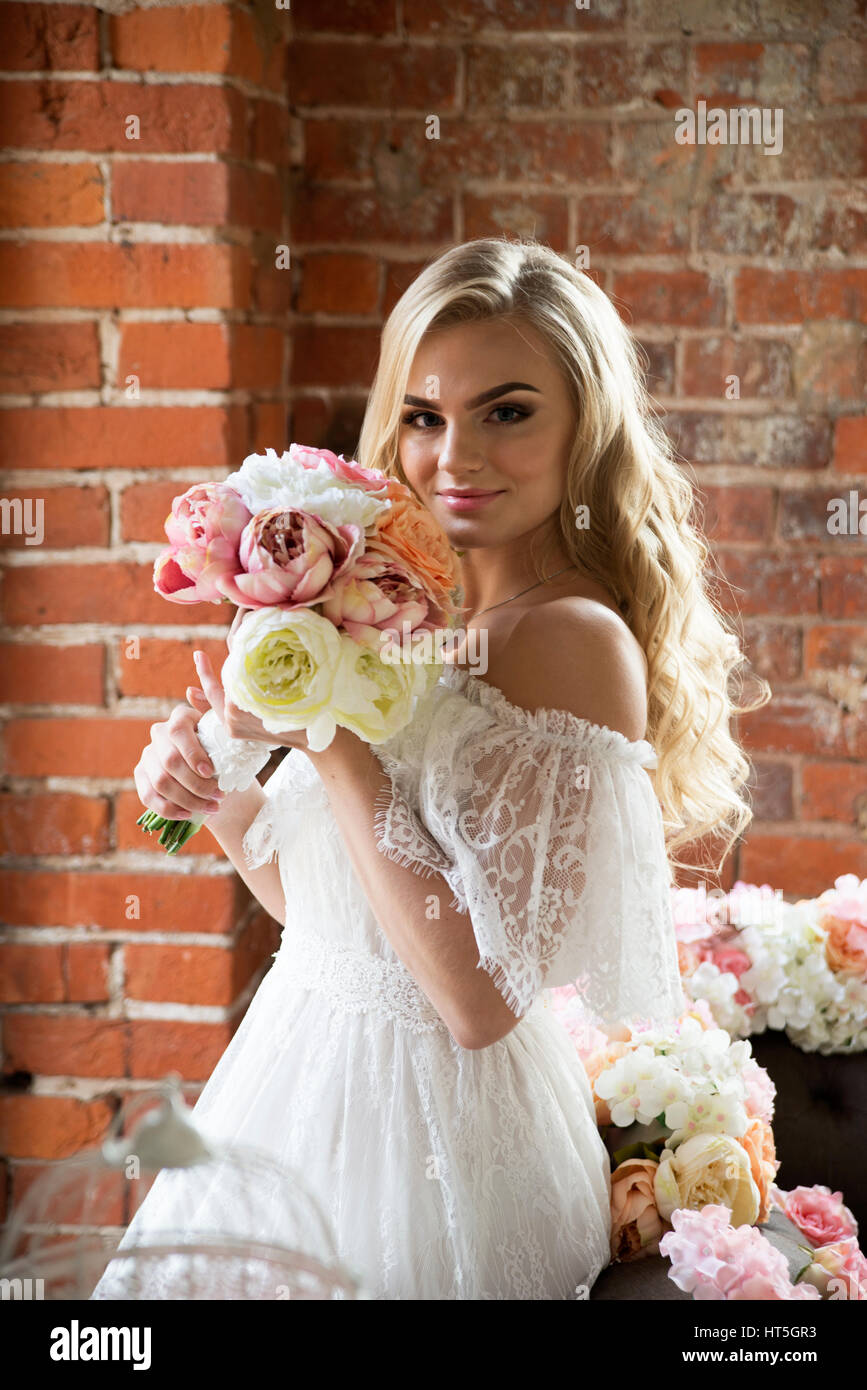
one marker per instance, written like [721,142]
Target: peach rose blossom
[758,1140]
[845,946]
[413,537]
[636,1226]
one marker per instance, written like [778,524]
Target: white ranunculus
[277,480]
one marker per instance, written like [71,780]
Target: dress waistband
[355,981]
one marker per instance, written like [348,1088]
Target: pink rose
[819,1214]
[289,557]
[636,1225]
[205,527]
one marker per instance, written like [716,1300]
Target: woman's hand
[236,722]
[174,775]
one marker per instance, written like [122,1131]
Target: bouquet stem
[174,833]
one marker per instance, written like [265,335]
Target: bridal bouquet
[334,561]
[801,968]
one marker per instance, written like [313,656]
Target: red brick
[36,673]
[164,667]
[50,38]
[310,420]
[158,1047]
[685,297]
[111,593]
[64,1044]
[213,39]
[322,216]
[804,516]
[830,365]
[332,73]
[338,283]
[48,356]
[53,823]
[629,225]
[840,649]
[145,508]
[843,580]
[768,74]
[86,967]
[269,427]
[334,355]
[74,747]
[174,118]
[617,74]
[31,974]
[763,367]
[104,1205]
[187,974]
[51,195]
[102,275]
[51,1126]
[790,296]
[270,131]
[803,722]
[518,76]
[802,865]
[167,902]
[198,195]
[542,215]
[814,149]
[834,791]
[72,437]
[765,440]
[774,649]
[850,444]
[128,808]
[71,516]
[737,514]
[841,68]
[768,584]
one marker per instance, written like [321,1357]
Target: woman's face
[512,447]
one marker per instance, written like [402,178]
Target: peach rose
[758,1141]
[845,946]
[636,1226]
[414,537]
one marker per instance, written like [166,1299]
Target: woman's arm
[228,827]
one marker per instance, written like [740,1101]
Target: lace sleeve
[553,842]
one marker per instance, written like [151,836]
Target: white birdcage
[223,1222]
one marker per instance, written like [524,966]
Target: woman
[401,1053]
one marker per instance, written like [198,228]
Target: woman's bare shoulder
[577,654]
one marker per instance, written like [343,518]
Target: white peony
[279,480]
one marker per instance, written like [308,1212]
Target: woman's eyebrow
[477,400]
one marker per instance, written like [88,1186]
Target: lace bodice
[545,827]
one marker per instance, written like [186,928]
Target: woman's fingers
[210,684]
[172,763]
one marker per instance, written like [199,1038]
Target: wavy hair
[643,544]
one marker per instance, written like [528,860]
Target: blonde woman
[516,835]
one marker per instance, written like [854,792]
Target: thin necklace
[522,591]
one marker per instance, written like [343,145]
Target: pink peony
[289,557]
[819,1214]
[376,595]
[713,1260]
[349,471]
[204,527]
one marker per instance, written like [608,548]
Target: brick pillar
[143,348]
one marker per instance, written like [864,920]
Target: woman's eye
[517,414]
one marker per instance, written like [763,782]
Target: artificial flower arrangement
[686,1115]
[336,561]
[801,968]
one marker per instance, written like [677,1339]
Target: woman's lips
[467,501]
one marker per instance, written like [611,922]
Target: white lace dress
[448,1173]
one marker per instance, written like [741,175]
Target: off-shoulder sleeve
[548,831]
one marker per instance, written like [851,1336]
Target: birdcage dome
[222,1221]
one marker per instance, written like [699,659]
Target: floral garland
[686,1113]
[760,962]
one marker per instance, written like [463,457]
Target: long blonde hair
[642,545]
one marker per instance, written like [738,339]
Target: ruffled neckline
[558,722]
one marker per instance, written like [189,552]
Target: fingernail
[206,770]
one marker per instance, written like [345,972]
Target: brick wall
[154,259]
[143,347]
